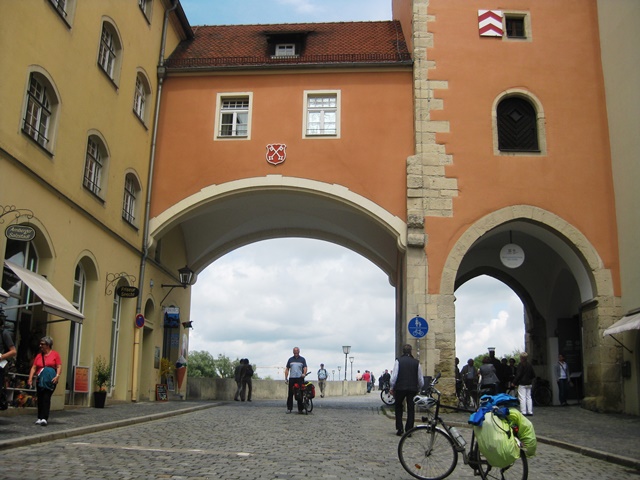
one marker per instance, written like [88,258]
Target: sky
[261,300]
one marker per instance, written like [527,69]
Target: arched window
[40,110]
[129,204]
[141,97]
[75,329]
[517,125]
[110,53]
[95,166]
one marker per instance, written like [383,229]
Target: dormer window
[285,50]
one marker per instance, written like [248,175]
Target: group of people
[368,377]
[497,376]
[45,371]
[242,375]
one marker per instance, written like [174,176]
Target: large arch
[221,218]
[569,286]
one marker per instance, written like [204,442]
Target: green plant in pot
[102,381]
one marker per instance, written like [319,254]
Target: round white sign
[512,255]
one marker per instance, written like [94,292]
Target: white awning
[52,301]
[628,322]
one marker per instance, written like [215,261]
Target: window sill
[142,122]
[94,195]
[44,149]
[111,80]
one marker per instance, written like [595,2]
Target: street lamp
[351,360]
[333,375]
[185,274]
[346,349]
[339,368]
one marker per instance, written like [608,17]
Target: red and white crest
[276,153]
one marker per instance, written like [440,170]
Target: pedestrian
[499,369]
[488,378]
[237,376]
[523,380]
[469,374]
[322,379]
[386,379]
[47,365]
[7,351]
[294,372]
[247,383]
[406,382]
[561,371]
[358,376]
[366,377]
[458,377]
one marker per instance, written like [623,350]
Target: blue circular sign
[139,320]
[418,327]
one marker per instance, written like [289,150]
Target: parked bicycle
[466,399]
[305,394]
[430,451]
[385,394]
[541,392]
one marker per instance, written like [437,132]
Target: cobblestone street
[343,438]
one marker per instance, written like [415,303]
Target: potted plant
[102,381]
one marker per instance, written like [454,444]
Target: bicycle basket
[424,402]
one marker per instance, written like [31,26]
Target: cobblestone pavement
[343,438]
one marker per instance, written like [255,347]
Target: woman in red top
[48,365]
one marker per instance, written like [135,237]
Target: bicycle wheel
[427,453]
[519,470]
[309,405]
[542,396]
[387,398]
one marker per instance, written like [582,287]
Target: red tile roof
[324,44]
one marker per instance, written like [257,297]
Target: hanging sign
[125,291]
[512,255]
[20,233]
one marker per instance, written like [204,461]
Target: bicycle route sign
[418,327]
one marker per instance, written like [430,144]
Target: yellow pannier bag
[526,433]
[496,441]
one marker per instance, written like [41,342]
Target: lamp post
[185,274]
[333,374]
[346,349]
[351,360]
[339,368]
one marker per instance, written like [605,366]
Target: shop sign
[21,233]
[126,291]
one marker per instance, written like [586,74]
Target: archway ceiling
[221,225]
[545,253]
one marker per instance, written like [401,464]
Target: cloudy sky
[262,300]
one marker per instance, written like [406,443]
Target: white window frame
[38,112]
[110,51]
[94,167]
[141,98]
[65,10]
[285,50]
[129,204]
[116,312]
[75,332]
[224,108]
[146,6]
[310,109]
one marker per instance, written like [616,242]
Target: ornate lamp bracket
[114,278]
[15,211]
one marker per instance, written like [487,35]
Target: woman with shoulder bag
[48,365]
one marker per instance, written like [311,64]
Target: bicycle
[541,392]
[430,451]
[385,395]
[466,400]
[305,394]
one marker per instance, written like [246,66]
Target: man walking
[406,382]
[322,379]
[294,372]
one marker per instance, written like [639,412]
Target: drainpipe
[135,381]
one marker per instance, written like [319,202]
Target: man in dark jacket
[406,382]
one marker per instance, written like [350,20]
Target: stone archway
[595,301]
